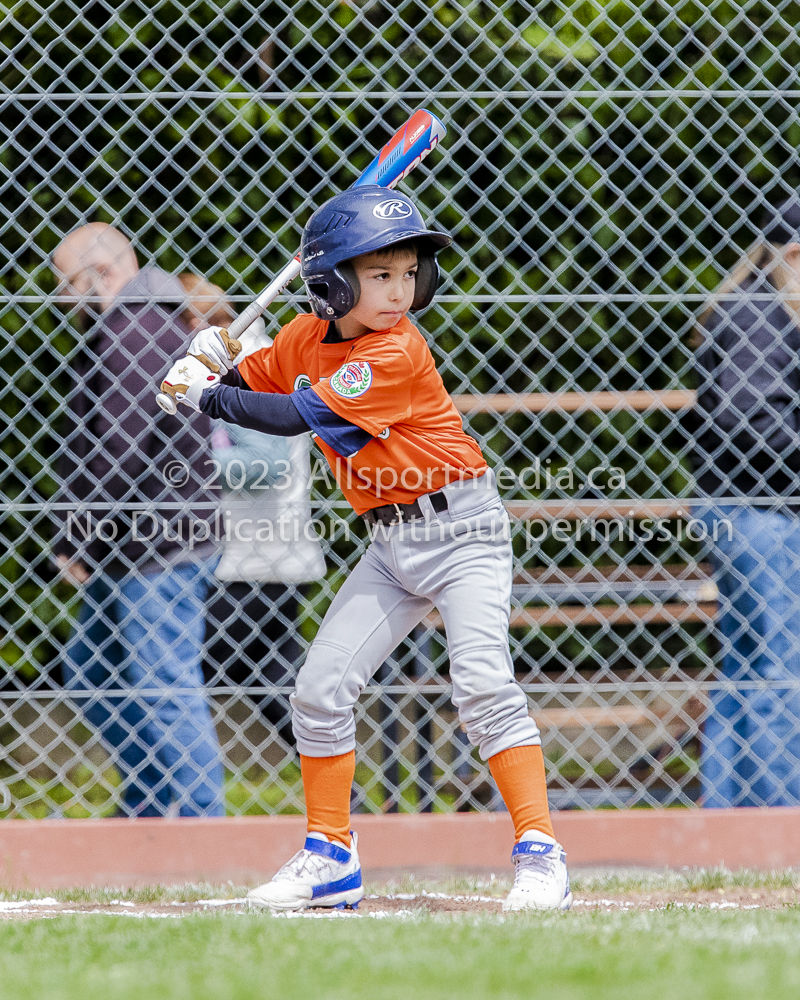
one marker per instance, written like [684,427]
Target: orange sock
[327,782]
[519,774]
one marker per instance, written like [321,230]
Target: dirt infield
[424,901]
[717,899]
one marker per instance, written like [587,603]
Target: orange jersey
[384,383]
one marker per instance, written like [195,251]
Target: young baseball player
[361,377]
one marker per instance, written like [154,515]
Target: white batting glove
[187,379]
[215,348]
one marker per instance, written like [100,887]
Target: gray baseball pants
[458,561]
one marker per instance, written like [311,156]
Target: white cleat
[324,873]
[541,880]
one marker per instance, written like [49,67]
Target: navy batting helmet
[358,221]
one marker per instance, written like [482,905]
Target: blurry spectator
[748,454]
[253,615]
[137,646]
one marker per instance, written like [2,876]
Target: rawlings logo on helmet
[352,379]
[394,208]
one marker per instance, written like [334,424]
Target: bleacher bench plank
[577,510]
[614,614]
[574,402]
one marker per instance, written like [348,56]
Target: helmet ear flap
[348,272]
[334,297]
[427,281]
[317,292]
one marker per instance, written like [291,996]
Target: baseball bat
[408,146]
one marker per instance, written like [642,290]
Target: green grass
[186,893]
[689,880]
[576,956]
[87,794]
[612,883]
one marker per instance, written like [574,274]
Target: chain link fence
[606,165]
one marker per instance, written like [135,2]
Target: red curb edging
[51,854]
[764,838]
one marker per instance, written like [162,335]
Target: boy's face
[388,281]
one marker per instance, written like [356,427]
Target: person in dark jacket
[138,536]
[747,457]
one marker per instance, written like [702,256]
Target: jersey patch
[302,382]
[352,379]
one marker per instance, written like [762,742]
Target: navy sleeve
[345,438]
[270,412]
[234,378]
